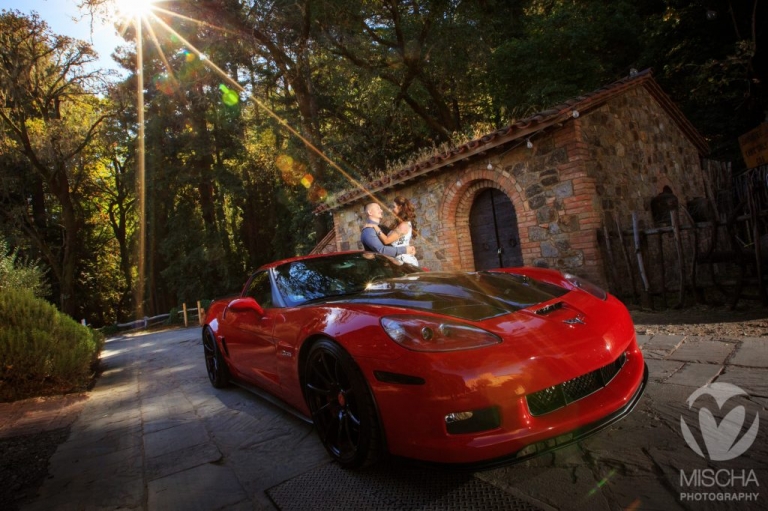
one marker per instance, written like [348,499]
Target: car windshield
[315,279]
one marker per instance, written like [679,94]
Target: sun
[134,8]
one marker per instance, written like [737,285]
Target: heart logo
[721,439]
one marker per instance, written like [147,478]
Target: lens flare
[601,483]
[228,96]
[284,162]
[307,180]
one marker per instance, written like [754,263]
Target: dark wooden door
[493,230]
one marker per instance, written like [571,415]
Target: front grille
[560,395]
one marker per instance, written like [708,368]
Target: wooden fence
[687,258]
[146,322]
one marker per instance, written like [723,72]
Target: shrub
[174,316]
[42,351]
[21,274]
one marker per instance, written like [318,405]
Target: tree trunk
[59,186]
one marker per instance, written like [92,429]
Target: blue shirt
[372,243]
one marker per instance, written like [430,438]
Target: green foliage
[174,316]
[16,273]
[51,113]
[232,165]
[566,48]
[707,57]
[42,350]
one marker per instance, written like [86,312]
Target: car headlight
[586,285]
[429,334]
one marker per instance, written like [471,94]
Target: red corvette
[478,369]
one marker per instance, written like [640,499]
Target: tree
[428,53]
[50,116]
[564,49]
[710,56]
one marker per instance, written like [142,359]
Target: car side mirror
[246,304]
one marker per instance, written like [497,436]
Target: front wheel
[217,369]
[342,406]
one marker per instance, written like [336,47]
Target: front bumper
[566,439]
[412,417]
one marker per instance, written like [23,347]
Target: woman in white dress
[403,229]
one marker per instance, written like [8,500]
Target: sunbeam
[144,13]
[232,82]
[305,180]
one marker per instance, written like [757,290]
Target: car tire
[342,406]
[217,369]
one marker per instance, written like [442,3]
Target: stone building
[537,192]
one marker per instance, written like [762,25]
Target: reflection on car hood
[471,296]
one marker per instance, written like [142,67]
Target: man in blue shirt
[370,235]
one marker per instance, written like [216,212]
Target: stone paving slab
[695,349]
[754,381]
[752,352]
[660,370]
[664,342]
[695,375]
[201,488]
[174,439]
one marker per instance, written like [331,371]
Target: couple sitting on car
[396,240]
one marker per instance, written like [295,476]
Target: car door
[250,340]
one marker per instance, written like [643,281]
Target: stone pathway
[153,434]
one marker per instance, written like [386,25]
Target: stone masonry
[609,157]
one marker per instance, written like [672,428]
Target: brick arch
[454,209]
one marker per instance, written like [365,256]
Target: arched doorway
[493,231]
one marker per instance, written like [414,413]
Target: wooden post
[640,262]
[609,249]
[754,216]
[694,257]
[184,308]
[680,258]
[660,245]
[200,314]
[626,259]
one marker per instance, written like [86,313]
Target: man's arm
[372,242]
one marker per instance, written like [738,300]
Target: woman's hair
[407,214]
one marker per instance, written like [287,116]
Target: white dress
[404,241]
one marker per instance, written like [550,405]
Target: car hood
[471,296]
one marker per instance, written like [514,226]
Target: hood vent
[549,308]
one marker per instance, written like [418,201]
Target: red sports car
[471,368]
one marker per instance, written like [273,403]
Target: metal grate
[392,487]
[558,396]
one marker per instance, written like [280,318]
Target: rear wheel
[342,406]
[217,369]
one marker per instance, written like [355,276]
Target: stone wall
[553,198]
[635,149]
[613,159]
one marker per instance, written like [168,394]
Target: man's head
[374,212]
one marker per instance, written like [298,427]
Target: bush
[174,316]
[42,351]
[21,274]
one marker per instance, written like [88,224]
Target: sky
[64,18]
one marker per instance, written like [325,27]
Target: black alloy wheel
[217,369]
[342,406]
